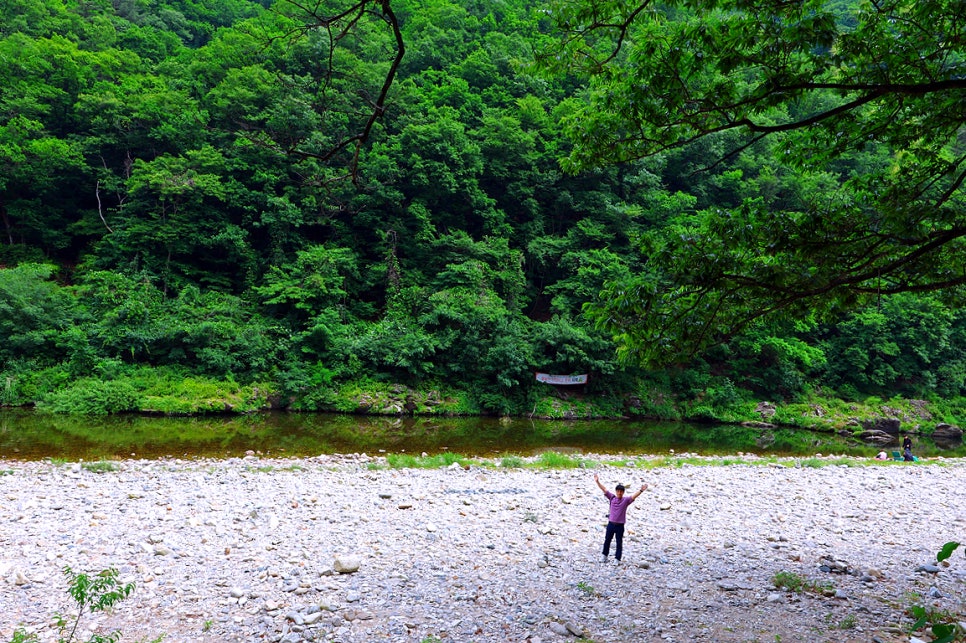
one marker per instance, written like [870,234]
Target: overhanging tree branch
[872,101]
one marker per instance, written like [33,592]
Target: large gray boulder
[947,433]
[874,436]
[886,425]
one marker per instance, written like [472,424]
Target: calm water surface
[25,435]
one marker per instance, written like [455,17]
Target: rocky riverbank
[341,548]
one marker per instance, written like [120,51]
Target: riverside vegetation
[177,238]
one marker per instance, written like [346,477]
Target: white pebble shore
[343,548]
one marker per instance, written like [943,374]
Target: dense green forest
[403,207]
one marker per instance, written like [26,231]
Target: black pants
[614,529]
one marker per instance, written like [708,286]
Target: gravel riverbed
[343,548]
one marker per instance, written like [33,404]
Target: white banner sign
[546,378]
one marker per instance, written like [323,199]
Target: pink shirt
[618,507]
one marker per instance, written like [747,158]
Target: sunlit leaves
[313,283]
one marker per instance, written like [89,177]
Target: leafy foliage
[938,622]
[93,397]
[870,126]
[250,204]
[96,593]
[793,582]
[34,313]
[947,551]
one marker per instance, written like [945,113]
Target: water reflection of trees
[35,435]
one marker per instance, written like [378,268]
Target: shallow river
[32,436]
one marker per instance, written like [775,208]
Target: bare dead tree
[100,208]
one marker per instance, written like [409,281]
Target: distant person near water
[617,517]
[907,449]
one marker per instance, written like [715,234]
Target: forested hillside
[224,205]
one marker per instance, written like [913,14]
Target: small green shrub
[555,460]
[93,397]
[406,461]
[20,385]
[944,624]
[102,466]
[848,623]
[659,462]
[402,461]
[173,393]
[511,462]
[91,594]
[788,581]
[586,588]
[812,463]
[793,582]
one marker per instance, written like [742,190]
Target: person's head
[619,490]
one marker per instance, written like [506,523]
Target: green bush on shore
[147,390]
[93,397]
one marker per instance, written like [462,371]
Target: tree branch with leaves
[870,96]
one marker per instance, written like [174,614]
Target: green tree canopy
[872,94]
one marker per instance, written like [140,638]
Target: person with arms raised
[617,517]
